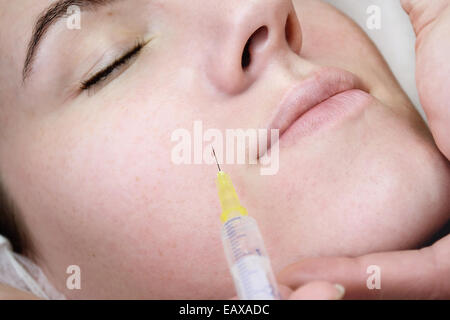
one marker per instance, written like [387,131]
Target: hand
[414,274]
[431,22]
[316,290]
[9,293]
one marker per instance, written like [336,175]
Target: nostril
[258,38]
[292,32]
[246,59]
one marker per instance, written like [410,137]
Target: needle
[214,153]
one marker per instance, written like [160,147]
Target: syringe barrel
[248,261]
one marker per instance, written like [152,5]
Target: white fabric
[21,273]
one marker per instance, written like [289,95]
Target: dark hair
[11,226]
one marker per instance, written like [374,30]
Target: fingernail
[340,291]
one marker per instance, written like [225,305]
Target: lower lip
[326,114]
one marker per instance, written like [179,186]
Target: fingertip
[292,275]
[406,5]
[340,291]
[319,290]
[285,291]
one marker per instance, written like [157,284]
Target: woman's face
[91,168]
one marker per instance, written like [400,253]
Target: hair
[11,225]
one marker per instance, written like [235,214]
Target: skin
[411,274]
[95,182]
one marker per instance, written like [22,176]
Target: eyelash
[103,74]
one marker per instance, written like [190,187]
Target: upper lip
[321,85]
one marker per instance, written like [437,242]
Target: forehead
[17,19]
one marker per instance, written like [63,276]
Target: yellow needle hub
[229,201]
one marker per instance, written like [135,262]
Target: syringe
[244,247]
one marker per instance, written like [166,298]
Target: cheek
[354,190]
[106,196]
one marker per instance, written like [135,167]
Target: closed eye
[107,71]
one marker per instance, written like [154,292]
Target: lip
[312,92]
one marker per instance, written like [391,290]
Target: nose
[259,31]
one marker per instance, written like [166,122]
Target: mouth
[329,89]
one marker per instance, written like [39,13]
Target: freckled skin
[96,183]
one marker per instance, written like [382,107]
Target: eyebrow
[48,18]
